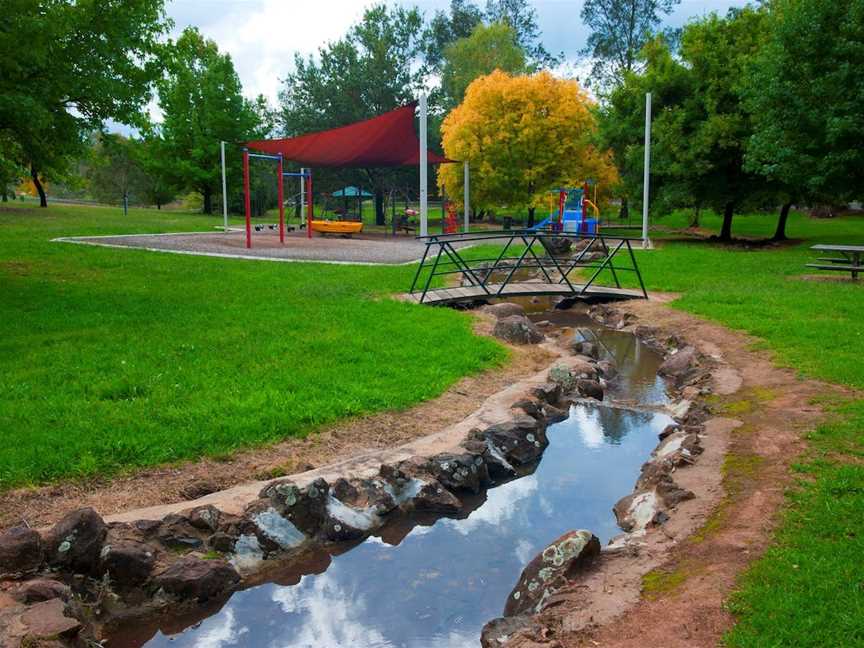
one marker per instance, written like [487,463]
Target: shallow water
[422,583]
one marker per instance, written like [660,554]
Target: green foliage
[113,170]
[372,69]
[805,91]
[202,102]
[700,127]
[621,122]
[108,361]
[488,48]
[377,66]
[521,16]
[619,31]
[446,28]
[65,68]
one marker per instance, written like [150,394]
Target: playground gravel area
[376,249]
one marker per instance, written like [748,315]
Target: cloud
[262,35]
[220,631]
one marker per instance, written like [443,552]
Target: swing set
[305,176]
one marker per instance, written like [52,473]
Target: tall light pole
[646,242]
[424,171]
[224,189]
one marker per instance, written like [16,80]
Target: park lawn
[115,359]
[808,589]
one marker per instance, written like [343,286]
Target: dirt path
[168,484]
[682,602]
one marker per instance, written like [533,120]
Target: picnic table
[849,259]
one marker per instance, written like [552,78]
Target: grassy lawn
[808,590]
[112,359]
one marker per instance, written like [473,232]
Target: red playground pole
[309,205]
[281,195]
[246,198]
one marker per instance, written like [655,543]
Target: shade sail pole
[646,242]
[281,198]
[424,171]
[224,189]
[302,194]
[466,193]
[246,199]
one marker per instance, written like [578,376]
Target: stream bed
[427,582]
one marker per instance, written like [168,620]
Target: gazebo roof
[351,192]
[387,140]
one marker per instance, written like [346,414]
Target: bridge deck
[521,289]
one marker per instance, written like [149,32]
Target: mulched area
[359,249]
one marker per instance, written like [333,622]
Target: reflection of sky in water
[439,586]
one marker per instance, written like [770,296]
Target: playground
[360,248]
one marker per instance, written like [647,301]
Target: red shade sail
[387,140]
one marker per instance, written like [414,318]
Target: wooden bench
[405,225]
[850,259]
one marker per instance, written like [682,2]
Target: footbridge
[465,268]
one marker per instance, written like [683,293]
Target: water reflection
[434,584]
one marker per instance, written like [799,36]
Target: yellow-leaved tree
[523,136]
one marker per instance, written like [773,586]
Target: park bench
[850,259]
[405,224]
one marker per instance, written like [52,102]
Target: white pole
[224,189]
[302,196]
[467,194]
[646,242]
[424,171]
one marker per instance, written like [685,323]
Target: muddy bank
[670,589]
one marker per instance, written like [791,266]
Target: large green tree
[377,66]
[446,27]
[704,138]
[619,31]
[488,48]
[66,67]
[621,124]
[202,104]
[113,171]
[522,18]
[805,94]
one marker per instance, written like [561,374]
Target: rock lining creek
[427,581]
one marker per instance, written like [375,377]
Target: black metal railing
[442,258]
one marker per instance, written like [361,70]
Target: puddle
[427,583]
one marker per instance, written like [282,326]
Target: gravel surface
[364,248]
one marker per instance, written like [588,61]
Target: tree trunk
[379,207]
[624,212]
[34,174]
[694,221]
[780,232]
[5,198]
[531,217]
[208,200]
[158,206]
[726,231]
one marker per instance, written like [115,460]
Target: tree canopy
[805,93]
[65,68]
[523,136]
[202,103]
[619,31]
[488,48]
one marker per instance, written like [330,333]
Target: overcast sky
[262,35]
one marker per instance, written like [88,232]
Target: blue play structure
[570,214]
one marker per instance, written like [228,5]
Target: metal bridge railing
[442,258]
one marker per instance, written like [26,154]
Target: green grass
[114,359]
[808,590]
